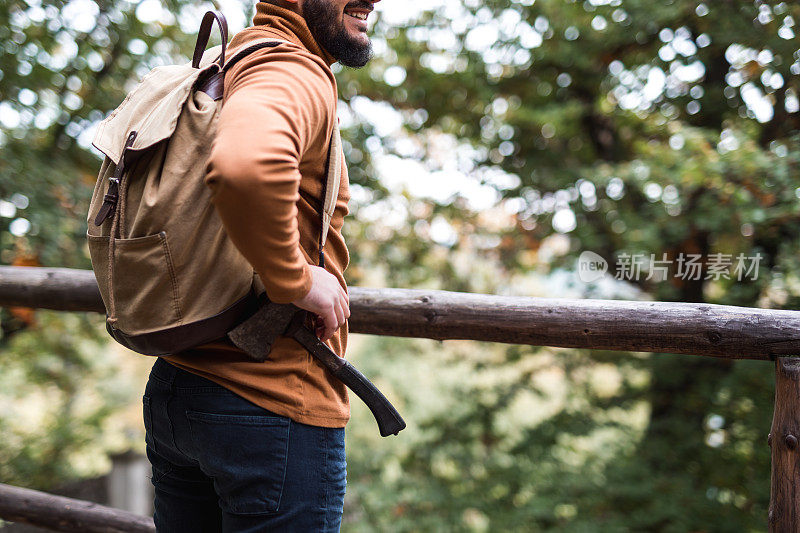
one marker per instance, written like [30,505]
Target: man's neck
[291,6]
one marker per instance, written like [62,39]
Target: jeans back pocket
[245,455]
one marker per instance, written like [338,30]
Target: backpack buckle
[112,195]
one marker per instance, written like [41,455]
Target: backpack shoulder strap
[331,187]
[257,44]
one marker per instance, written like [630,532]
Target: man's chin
[357,36]
[358,41]
[362,40]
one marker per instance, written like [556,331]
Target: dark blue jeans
[221,463]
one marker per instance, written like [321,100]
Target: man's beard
[328,29]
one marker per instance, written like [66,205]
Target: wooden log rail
[697,329]
[684,328]
[66,514]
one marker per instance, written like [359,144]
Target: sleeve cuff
[284,293]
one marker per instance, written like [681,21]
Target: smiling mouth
[360,15]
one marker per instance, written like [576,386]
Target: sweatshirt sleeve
[277,103]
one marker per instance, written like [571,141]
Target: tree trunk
[681,392]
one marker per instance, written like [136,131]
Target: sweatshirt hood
[291,26]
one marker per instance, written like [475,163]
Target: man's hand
[327,300]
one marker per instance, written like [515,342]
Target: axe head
[256,335]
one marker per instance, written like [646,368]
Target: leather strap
[259,44]
[214,85]
[205,33]
[112,194]
[187,336]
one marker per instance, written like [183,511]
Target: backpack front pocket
[143,281]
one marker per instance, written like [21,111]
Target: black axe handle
[256,335]
[389,420]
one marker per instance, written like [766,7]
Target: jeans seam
[285,466]
[326,482]
[147,414]
[155,479]
[158,378]
[169,420]
[191,391]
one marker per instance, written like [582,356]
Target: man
[238,445]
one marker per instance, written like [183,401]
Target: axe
[257,334]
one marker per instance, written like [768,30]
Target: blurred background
[489,145]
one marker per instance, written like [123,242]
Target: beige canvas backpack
[168,274]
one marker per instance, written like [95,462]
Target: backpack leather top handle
[204,34]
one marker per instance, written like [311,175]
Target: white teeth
[360,16]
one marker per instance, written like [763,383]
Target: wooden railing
[67,514]
[698,329]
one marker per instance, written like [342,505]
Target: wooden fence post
[128,483]
[784,501]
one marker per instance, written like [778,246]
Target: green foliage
[64,65]
[616,126]
[60,385]
[565,98]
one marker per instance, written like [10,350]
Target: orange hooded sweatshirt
[267,170]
